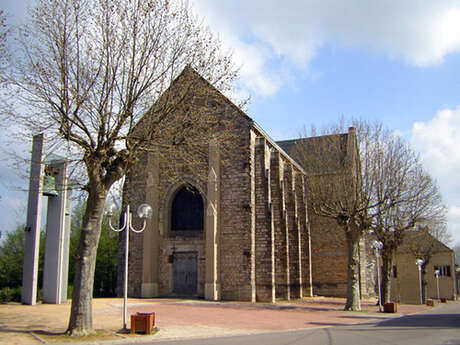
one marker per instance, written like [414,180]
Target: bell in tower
[49,181]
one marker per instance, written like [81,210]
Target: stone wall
[329,257]
[333,162]
[281,224]
[235,222]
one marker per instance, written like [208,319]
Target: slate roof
[318,155]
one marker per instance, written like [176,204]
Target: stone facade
[257,241]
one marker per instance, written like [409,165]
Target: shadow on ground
[330,324]
[366,316]
[358,318]
[11,330]
[255,306]
[425,321]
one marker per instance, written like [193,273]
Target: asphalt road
[440,326]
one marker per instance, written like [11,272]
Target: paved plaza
[178,318]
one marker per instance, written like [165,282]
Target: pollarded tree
[371,180]
[335,191]
[86,72]
[105,278]
[405,195]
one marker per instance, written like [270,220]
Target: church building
[234,224]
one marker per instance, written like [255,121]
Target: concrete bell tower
[54,171]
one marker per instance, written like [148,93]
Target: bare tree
[457,254]
[4,51]
[335,189]
[405,194]
[421,243]
[438,228]
[384,189]
[3,35]
[86,73]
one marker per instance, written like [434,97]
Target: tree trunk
[81,316]
[387,270]
[353,295]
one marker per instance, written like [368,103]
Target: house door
[185,273]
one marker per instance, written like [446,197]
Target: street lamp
[419,263]
[144,211]
[377,245]
[436,274]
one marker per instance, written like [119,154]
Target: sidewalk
[177,318]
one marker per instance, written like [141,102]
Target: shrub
[8,294]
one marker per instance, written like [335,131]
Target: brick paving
[175,318]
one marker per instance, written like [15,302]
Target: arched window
[187,211]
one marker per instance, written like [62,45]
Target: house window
[395,272]
[444,270]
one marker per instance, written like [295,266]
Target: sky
[312,62]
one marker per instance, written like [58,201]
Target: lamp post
[436,274]
[377,245]
[144,211]
[419,263]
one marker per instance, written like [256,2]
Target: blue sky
[313,61]
[356,83]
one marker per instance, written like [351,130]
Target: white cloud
[422,32]
[453,219]
[438,142]
[252,57]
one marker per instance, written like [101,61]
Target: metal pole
[419,263]
[377,245]
[144,211]
[125,292]
[378,281]
[420,283]
[437,283]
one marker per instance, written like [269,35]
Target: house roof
[421,241]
